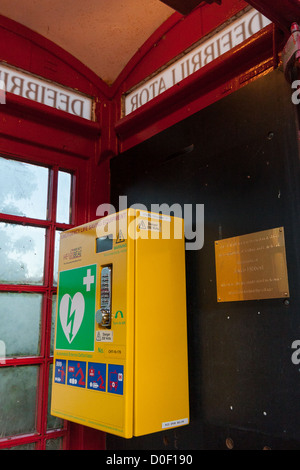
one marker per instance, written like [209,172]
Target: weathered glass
[22,254]
[20,320]
[23,189]
[63,197]
[18,390]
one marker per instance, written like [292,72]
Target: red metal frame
[257,56]
[282,12]
[38,134]
[177,102]
[44,360]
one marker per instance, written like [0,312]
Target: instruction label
[76,373]
[115,379]
[96,376]
[104,336]
[172,424]
[60,371]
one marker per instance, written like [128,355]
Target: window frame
[44,360]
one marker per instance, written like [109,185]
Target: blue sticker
[76,373]
[60,371]
[96,376]
[115,379]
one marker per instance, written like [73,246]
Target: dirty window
[21,254]
[20,319]
[18,387]
[63,211]
[23,189]
[54,444]
[33,211]
[56,255]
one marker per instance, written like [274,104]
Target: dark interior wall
[238,157]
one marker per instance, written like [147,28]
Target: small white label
[152,215]
[149,225]
[104,336]
[173,424]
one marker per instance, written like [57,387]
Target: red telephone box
[54,148]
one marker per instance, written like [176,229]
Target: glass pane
[53,317]
[20,319]
[18,388]
[54,444]
[22,254]
[52,422]
[56,256]
[63,197]
[23,189]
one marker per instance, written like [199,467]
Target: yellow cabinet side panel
[161,362]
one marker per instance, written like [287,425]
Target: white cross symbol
[88,280]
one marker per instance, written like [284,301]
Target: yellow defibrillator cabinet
[120,351]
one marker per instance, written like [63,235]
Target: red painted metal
[49,128]
[29,51]
[39,134]
[36,133]
[85,438]
[205,86]
[174,37]
[281,12]
[180,34]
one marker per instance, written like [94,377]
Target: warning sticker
[120,237]
[105,336]
[153,226]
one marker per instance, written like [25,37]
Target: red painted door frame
[35,133]
[30,130]
[256,56]
[281,12]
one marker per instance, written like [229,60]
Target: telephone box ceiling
[104,35]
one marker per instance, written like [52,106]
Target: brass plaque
[252,267]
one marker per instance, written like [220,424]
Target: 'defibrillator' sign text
[210,49]
[42,91]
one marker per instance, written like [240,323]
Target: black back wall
[238,157]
